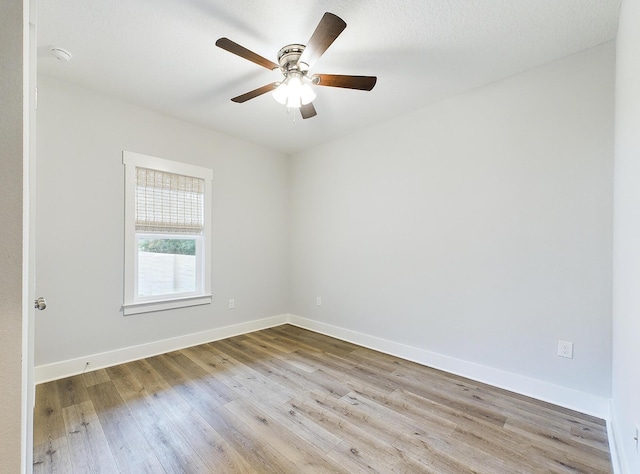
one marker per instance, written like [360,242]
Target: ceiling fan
[294,62]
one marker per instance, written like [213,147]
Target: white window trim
[130,305]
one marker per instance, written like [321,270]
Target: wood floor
[287,400]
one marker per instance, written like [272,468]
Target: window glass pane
[166,266]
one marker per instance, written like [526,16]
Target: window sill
[151,306]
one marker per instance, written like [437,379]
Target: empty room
[332,236]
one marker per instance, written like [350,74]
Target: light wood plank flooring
[287,400]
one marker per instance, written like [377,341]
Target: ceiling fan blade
[255,93]
[326,32]
[235,48]
[363,83]
[308,111]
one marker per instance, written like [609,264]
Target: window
[167,234]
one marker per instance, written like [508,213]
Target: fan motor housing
[288,57]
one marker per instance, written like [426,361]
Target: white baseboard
[619,463]
[67,368]
[556,394]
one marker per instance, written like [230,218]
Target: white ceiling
[161,54]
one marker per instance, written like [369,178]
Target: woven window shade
[169,202]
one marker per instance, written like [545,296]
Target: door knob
[40,303]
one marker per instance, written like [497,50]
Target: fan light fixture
[293,91]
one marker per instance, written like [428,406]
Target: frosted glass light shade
[280,93]
[293,93]
[293,101]
[307,94]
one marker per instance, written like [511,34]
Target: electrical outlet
[565,349]
[232,303]
[318,301]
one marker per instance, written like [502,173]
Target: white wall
[626,254]
[11,201]
[477,228]
[80,196]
